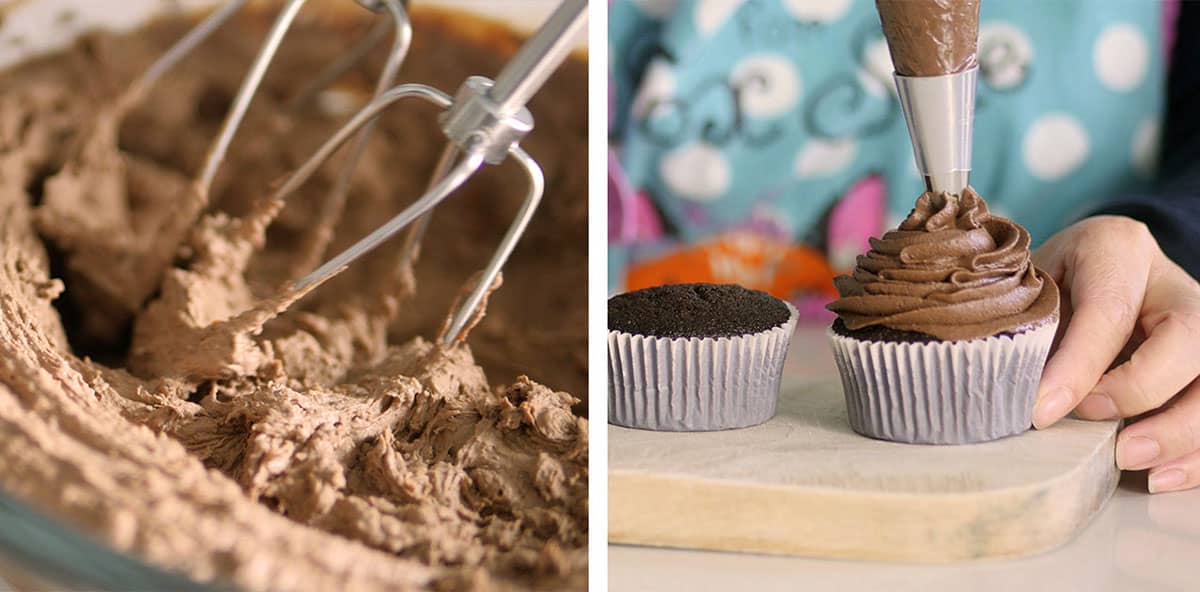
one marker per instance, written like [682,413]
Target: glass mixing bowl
[39,553]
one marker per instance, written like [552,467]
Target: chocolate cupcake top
[953,271]
[695,310]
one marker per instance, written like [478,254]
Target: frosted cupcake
[944,327]
[696,357]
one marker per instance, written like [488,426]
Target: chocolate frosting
[930,37]
[952,270]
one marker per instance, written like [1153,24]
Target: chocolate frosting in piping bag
[951,270]
[930,37]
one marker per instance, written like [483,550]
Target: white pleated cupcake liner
[696,384]
[945,392]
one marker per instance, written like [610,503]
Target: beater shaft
[539,57]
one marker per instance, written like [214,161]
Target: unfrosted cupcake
[696,357]
[944,327]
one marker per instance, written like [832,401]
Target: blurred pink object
[855,219]
[646,223]
[631,216]
[811,308]
[620,202]
[1170,21]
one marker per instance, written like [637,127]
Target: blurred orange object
[778,267]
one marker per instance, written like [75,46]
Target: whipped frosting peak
[951,270]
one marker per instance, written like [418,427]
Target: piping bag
[933,45]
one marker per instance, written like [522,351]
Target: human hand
[1121,294]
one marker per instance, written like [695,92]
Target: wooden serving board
[805,484]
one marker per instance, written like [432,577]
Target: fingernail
[1136,452]
[1097,406]
[1168,480]
[1051,407]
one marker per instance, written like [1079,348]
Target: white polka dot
[656,8]
[1121,57]
[1145,147]
[658,84]
[817,11]
[819,158]
[769,84]
[1005,54]
[1055,145]
[695,171]
[876,77]
[711,14]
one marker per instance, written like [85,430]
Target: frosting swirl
[952,270]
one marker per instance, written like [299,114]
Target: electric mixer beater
[484,123]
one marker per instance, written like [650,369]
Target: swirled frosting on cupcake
[951,270]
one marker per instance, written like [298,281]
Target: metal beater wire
[258,69]
[245,94]
[184,47]
[458,174]
[335,70]
[532,198]
[334,203]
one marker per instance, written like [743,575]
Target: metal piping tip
[940,113]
